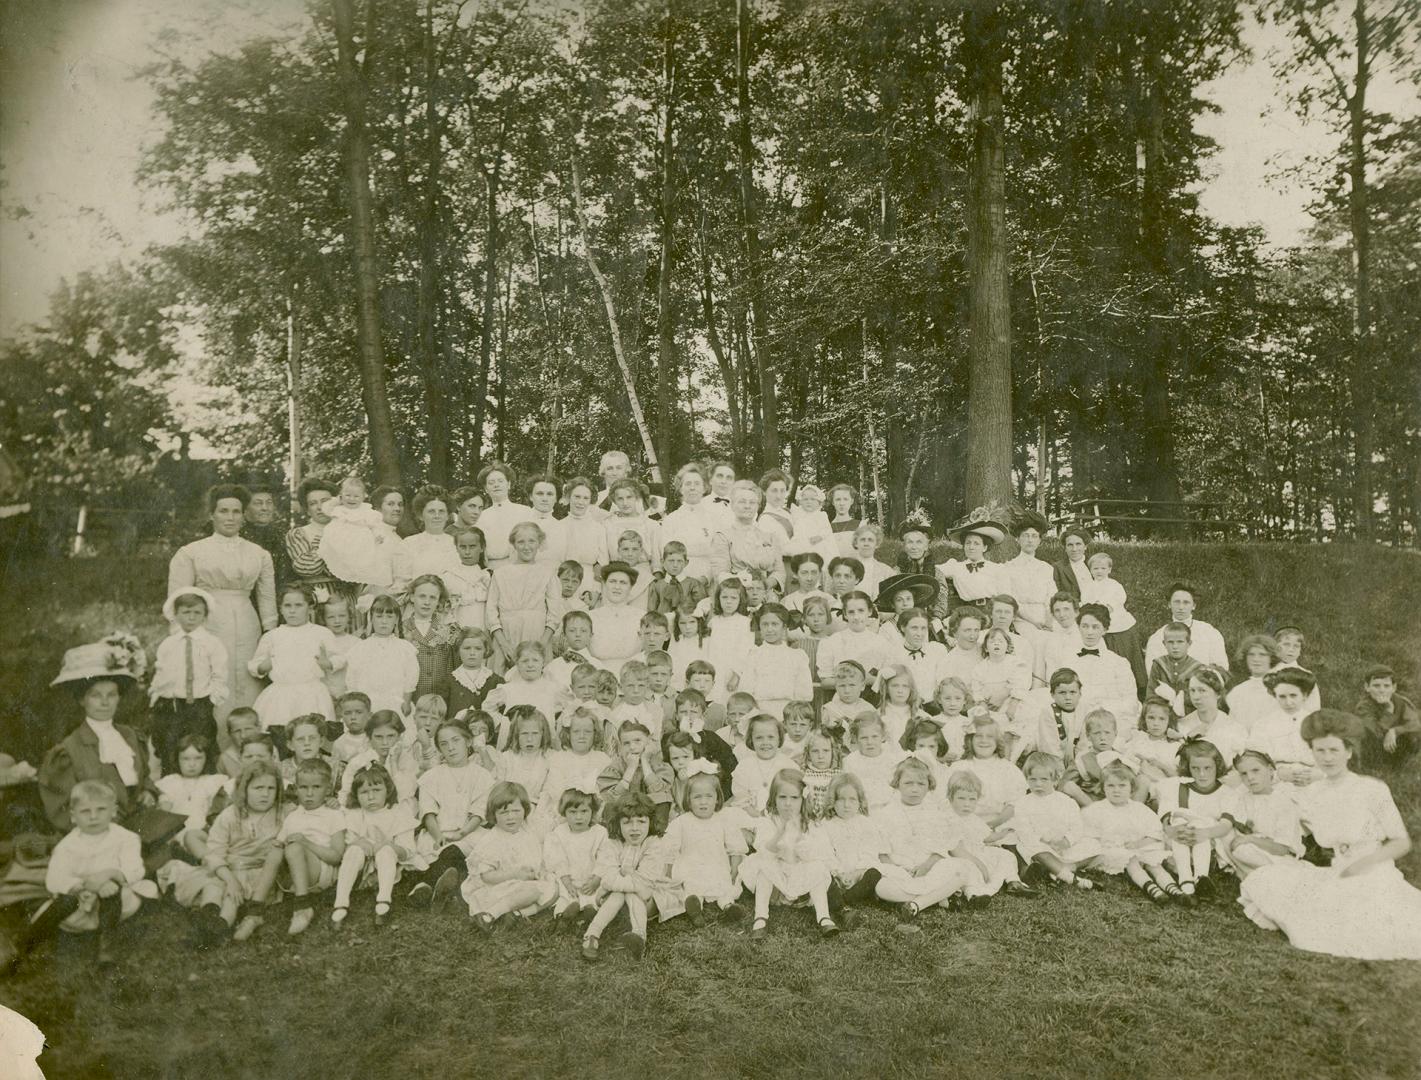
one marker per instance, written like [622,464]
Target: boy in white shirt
[190,677]
[313,841]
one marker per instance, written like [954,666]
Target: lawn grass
[1072,985]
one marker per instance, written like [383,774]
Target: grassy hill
[1099,985]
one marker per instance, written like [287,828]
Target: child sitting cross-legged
[635,872]
[312,839]
[1130,836]
[1048,823]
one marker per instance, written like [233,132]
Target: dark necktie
[1089,652]
[723,502]
[915,654]
[1061,727]
[187,667]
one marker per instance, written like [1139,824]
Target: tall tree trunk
[750,226]
[1157,466]
[722,359]
[368,347]
[666,380]
[1363,375]
[989,420]
[436,391]
[490,301]
[605,288]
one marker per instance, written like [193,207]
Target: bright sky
[73,119]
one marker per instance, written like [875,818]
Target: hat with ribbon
[980,522]
[118,656]
[923,588]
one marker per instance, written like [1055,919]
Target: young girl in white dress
[383,665]
[570,854]
[750,782]
[351,542]
[581,759]
[506,872]
[773,671]
[953,699]
[1048,823]
[1154,744]
[338,615]
[1360,906]
[1130,836]
[705,844]
[468,583]
[297,656]
[1000,680]
[984,757]
[453,796]
[526,762]
[874,759]
[790,861]
[1192,808]
[690,643]
[898,703]
[635,873]
[921,871]
[391,751]
[524,597]
[857,848]
[527,686]
[1267,827]
[728,631]
[379,836]
[991,868]
[190,791]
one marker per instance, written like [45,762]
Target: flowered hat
[118,656]
[188,590]
[917,521]
[981,522]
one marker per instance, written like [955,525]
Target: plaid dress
[437,657]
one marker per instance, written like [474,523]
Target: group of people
[589,706]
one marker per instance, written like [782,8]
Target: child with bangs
[527,686]
[1130,836]
[379,833]
[920,870]
[822,764]
[993,868]
[474,679]
[858,850]
[874,760]
[508,880]
[753,775]
[1193,808]
[570,855]
[635,872]
[706,844]
[790,860]
[383,665]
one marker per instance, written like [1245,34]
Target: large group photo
[729,539]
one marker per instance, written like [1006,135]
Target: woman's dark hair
[540,478]
[217,492]
[426,495]
[382,492]
[1290,676]
[1334,723]
[497,467]
[314,483]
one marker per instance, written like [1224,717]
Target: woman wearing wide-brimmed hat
[615,620]
[97,675]
[900,593]
[973,579]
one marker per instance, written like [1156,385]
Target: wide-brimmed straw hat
[981,522]
[119,656]
[171,603]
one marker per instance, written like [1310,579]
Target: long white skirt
[1372,916]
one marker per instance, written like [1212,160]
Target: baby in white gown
[350,543]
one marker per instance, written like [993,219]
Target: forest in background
[950,252]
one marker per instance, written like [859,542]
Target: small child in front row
[570,854]
[379,834]
[1130,836]
[507,877]
[920,870]
[856,845]
[1192,808]
[242,855]
[312,839]
[1266,823]
[94,873]
[789,860]
[1048,823]
[975,842]
[706,845]
[452,798]
[635,872]
[190,791]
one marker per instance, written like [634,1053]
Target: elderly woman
[696,521]
[99,749]
[430,551]
[231,570]
[743,544]
[1359,906]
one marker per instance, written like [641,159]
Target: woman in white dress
[390,502]
[1250,699]
[696,521]
[430,551]
[1206,691]
[1360,906]
[502,513]
[231,570]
